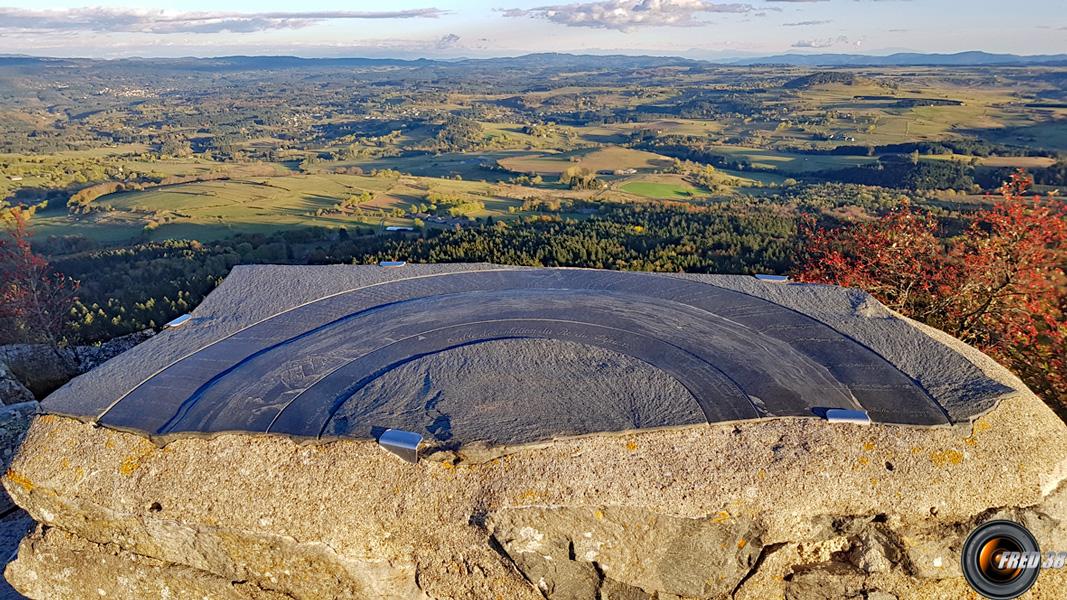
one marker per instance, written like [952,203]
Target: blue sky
[450,28]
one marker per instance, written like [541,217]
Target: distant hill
[559,61]
[551,61]
[974,58]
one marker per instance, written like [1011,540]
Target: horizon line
[594,53]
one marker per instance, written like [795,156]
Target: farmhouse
[564,432]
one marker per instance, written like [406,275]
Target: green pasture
[661,191]
[216,209]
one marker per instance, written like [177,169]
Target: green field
[599,160]
[217,209]
[661,191]
[789,162]
[468,166]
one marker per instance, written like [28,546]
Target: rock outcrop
[38,367]
[33,370]
[14,421]
[11,389]
[798,508]
[666,509]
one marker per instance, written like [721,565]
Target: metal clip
[182,320]
[842,415]
[404,444]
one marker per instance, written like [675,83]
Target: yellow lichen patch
[129,465]
[531,495]
[631,445]
[721,518]
[761,474]
[946,457]
[132,461]
[741,543]
[916,450]
[868,446]
[976,428]
[19,480]
[863,460]
[598,514]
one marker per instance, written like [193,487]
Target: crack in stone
[764,552]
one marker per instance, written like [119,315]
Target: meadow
[364,150]
[217,209]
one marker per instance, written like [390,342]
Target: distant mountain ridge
[559,60]
[904,59]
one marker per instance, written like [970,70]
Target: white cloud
[624,15]
[106,19]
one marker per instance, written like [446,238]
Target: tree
[1000,285]
[81,202]
[1012,301]
[897,258]
[459,134]
[35,300]
[351,202]
[579,178]
[175,146]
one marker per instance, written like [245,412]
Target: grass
[599,159]
[661,191]
[1021,162]
[982,108]
[468,166]
[617,133]
[216,209]
[1050,134]
[752,178]
[788,162]
[510,135]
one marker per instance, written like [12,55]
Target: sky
[707,29]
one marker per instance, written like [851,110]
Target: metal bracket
[404,444]
[182,320]
[842,415]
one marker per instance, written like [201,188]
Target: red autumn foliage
[999,286]
[35,301]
